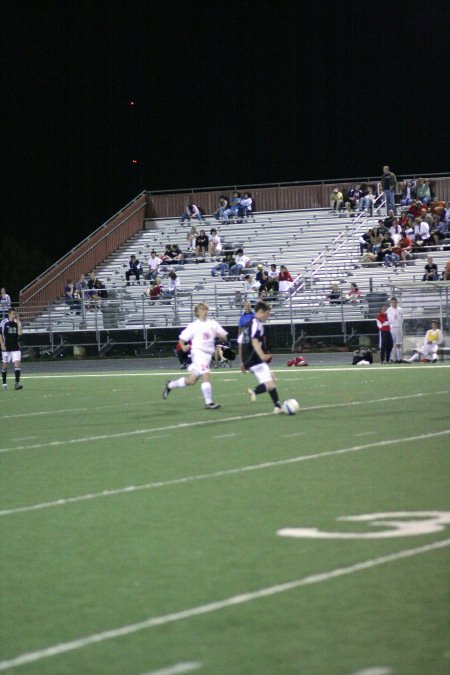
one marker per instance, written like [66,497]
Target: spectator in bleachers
[251,288]
[5,303]
[81,286]
[395,231]
[336,199]
[192,211]
[262,277]
[285,279]
[177,254]
[417,209]
[273,282]
[367,200]
[215,245]
[354,294]
[155,291]
[408,193]
[376,237]
[445,216]
[223,205]
[173,285]
[135,269]
[423,191]
[191,237]
[354,196]
[232,210]
[71,296]
[386,254]
[365,242]
[168,256]
[421,233]
[202,243]
[96,290]
[223,267]
[445,276]
[431,270]
[241,261]
[153,265]
[438,230]
[404,247]
[335,295]
[389,187]
[245,207]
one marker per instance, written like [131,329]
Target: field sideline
[143,536]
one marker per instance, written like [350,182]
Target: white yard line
[177,669]
[219,474]
[214,420]
[233,601]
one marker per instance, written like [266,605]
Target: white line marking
[219,474]
[224,436]
[186,425]
[374,671]
[365,433]
[297,433]
[177,669]
[233,601]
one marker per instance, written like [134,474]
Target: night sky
[207,94]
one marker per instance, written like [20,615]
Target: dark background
[224,93]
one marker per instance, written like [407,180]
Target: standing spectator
[202,243]
[247,314]
[215,245]
[389,185]
[336,200]
[5,303]
[153,265]
[240,262]
[192,211]
[285,279]
[395,316]
[199,338]
[135,269]
[431,270]
[10,332]
[385,336]
[429,349]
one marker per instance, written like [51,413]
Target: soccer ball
[291,406]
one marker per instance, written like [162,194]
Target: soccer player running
[10,331]
[202,333]
[254,358]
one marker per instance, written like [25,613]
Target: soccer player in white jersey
[395,318]
[201,335]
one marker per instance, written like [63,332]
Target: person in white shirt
[5,303]
[153,265]
[199,338]
[240,262]
[421,232]
[429,349]
[395,317]
[214,245]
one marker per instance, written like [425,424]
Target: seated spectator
[428,351]
[365,242]
[153,265]
[336,200]
[168,256]
[192,211]
[71,296]
[223,205]
[241,261]
[223,267]
[421,233]
[438,230]
[245,207]
[262,277]
[155,291]
[423,191]
[215,245]
[386,255]
[335,295]
[366,201]
[408,192]
[445,216]
[135,269]
[431,270]
[417,209]
[97,290]
[81,286]
[177,254]
[285,279]
[251,288]
[395,232]
[354,195]
[5,303]
[202,243]
[273,282]
[390,219]
[191,237]
[173,285]
[445,276]
[404,247]
[232,210]
[354,294]
[375,240]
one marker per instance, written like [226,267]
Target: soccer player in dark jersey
[255,359]
[10,332]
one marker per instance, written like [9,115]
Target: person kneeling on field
[428,351]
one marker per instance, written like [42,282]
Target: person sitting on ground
[354,294]
[192,211]
[429,350]
[431,270]
[153,265]
[173,285]
[335,295]
[5,303]
[135,269]
[232,210]
[156,289]
[241,261]
[202,243]
[184,357]
[223,205]
[336,200]
[285,279]
[215,245]
[245,207]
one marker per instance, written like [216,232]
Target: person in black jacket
[135,269]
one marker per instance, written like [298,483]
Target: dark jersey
[253,329]
[10,334]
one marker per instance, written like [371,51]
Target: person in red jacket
[284,279]
[384,329]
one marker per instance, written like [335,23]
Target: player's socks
[177,384]
[17,375]
[207,392]
[260,389]
[274,396]
[4,376]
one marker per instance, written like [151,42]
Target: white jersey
[203,335]
[395,317]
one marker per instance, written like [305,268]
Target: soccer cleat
[18,386]
[166,391]
[212,406]
[4,386]
[277,411]
[251,394]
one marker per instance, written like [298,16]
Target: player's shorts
[200,363]
[262,372]
[11,357]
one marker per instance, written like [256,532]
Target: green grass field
[142,536]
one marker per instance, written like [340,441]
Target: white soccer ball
[291,406]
